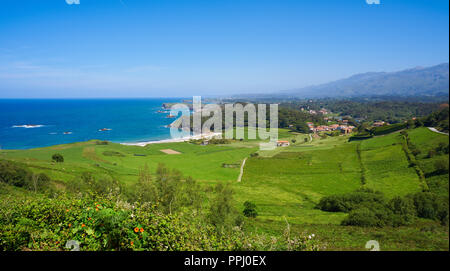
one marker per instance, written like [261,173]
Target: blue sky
[155,48]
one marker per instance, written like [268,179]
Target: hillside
[419,81]
[285,184]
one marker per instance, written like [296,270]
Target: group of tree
[16,175]
[438,119]
[366,207]
[389,110]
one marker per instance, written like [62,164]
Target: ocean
[61,121]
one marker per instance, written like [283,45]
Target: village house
[282,143]
[323,111]
[379,123]
[333,126]
[346,129]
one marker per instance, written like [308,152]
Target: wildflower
[82,225]
[89,218]
[313,235]
[132,215]
[96,209]
[136,229]
[67,210]
[70,225]
[142,229]
[132,243]
[309,237]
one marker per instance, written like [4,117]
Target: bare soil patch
[170,151]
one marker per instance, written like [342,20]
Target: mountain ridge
[415,81]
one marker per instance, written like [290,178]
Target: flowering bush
[106,224]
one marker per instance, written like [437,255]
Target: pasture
[285,183]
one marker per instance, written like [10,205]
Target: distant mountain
[430,81]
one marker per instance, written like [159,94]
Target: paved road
[242,170]
[436,131]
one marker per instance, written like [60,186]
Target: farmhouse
[346,129]
[334,126]
[282,143]
[323,111]
[378,123]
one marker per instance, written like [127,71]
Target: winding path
[436,131]
[242,170]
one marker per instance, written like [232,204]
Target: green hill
[285,184]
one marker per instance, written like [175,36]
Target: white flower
[132,215]
[313,235]
[309,236]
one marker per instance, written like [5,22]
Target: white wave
[28,126]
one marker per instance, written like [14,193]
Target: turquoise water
[68,121]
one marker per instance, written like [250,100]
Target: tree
[13,174]
[302,127]
[58,158]
[39,182]
[145,189]
[168,185]
[250,209]
[221,211]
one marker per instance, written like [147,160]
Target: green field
[285,184]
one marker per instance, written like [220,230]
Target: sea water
[37,123]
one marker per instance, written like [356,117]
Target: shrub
[425,204]
[416,151]
[361,217]
[250,209]
[102,142]
[383,130]
[113,153]
[57,158]
[350,201]
[431,153]
[441,166]
[216,141]
[221,212]
[403,210]
[13,174]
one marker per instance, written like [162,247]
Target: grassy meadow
[285,183]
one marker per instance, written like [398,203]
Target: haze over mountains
[419,81]
[430,81]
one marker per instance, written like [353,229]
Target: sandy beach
[173,140]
